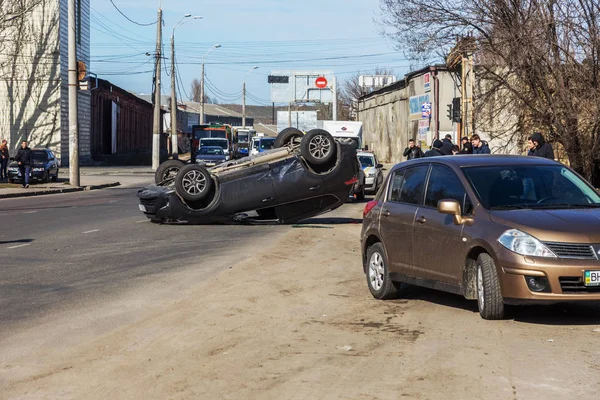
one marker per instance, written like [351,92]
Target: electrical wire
[129,19]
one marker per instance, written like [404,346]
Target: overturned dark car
[305,175]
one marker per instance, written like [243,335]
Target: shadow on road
[556,314]
[329,221]
[16,241]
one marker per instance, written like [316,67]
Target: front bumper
[565,277]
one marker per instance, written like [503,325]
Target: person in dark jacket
[413,151]
[540,147]
[447,145]
[4,156]
[435,149]
[455,150]
[24,158]
[479,146]
[466,146]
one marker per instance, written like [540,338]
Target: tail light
[370,205]
[351,181]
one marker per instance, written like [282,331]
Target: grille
[148,202]
[574,285]
[569,250]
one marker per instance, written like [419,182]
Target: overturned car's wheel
[167,170]
[193,182]
[318,147]
[288,136]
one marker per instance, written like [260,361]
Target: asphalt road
[62,251]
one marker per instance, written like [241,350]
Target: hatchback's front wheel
[378,277]
[489,294]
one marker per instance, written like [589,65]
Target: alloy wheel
[319,147]
[194,182]
[376,271]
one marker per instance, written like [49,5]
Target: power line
[129,19]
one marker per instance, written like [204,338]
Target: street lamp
[244,96]
[216,46]
[174,148]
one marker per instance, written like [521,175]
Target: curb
[59,191]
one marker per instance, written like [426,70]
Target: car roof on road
[480,160]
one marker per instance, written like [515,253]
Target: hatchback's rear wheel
[378,278]
[167,170]
[489,294]
[288,136]
[193,182]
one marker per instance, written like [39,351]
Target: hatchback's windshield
[366,161]
[531,186]
[213,151]
[40,156]
[266,144]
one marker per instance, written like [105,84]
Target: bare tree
[536,59]
[196,93]
[351,91]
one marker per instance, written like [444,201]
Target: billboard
[301,86]
[415,103]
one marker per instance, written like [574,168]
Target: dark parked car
[210,156]
[44,168]
[496,229]
[282,185]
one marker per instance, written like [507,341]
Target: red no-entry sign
[321,82]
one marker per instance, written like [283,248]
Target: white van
[346,129]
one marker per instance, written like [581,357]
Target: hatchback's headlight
[371,174]
[524,244]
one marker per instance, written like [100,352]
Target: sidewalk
[91,178]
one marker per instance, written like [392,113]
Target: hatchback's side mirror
[379,166]
[452,207]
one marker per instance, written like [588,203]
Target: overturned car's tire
[193,182]
[318,147]
[167,170]
[288,136]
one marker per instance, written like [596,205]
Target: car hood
[570,225]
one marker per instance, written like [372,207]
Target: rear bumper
[565,278]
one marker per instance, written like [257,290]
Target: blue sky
[273,34]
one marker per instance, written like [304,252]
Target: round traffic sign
[321,82]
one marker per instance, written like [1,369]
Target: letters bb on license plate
[591,278]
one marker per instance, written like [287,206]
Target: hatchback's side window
[444,184]
[396,185]
[414,181]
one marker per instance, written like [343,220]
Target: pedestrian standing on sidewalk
[447,145]
[24,158]
[4,156]
[540,147]
[479,146]
[467,147]
[435,149]
[412,151]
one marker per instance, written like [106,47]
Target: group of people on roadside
[24,159]
[537,147]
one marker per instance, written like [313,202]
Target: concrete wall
[392,117]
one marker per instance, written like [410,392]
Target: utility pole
[174,148]
[244,96]
[157,98]
[334,99]
[202,95]
[73,88]
[216,46]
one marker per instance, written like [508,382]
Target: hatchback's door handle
[315,188]
[268,199]
[421,220]
[385,213]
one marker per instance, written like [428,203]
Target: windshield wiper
[510,207]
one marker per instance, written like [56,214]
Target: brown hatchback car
[499,229]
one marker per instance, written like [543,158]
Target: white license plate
[142,208]
[591,278]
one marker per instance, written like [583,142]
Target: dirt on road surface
[296,321]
